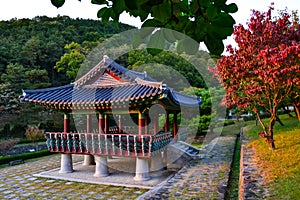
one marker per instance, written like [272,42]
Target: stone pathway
[18,182]
[251,178]
[199,179]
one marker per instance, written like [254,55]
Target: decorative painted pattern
[125,145]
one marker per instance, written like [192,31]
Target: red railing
[125,145]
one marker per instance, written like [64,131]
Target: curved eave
[184,100]
[69,97]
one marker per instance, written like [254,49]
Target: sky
[30,8]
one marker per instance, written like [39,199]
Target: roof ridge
[154,84]
[82,80]
[49,89]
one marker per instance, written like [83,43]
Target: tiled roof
[105,85]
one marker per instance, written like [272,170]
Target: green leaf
[143,15]
[223,20]
[137,40]
[145,32]
[182,22]
[156,43]
[131,4]
[213,44]
[201,29]
[211,12]
[194,6]
[178,35]
[231,8]
[204,3]
[219,3]
[168,34]
[104,14]
[151,23]
[222,32]
[162,12]
[99,2]
[118,6]
[57,3]
[154,2]
[188,46]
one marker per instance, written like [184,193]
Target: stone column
[142,169]
[156,162]
[88,159]
[66,164]
[164,158]
[142,164]
[101,169]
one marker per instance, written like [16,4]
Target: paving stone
[200,177]
[98,196]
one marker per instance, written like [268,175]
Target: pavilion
[111,92]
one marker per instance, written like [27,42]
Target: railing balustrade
[129,145]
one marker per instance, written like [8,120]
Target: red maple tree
[265,67]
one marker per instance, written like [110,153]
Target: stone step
[187,148]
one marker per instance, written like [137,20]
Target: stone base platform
[121,173]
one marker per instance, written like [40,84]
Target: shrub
[24,156]
[34,134]
[7,144]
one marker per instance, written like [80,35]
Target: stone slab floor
[203,178]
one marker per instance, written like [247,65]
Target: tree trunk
[272,145]
[267,134]
[279,121]
[270,138]
[287,111]
[297,111]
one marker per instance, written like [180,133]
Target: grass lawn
[281,166]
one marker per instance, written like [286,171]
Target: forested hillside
[29,50]
[46,52]
[36,45]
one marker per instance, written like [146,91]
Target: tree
[209,114]
[207,21]
[34,134]
[70,61]
[15,76]
[264,68]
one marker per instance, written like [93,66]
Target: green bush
[26,141]
[24,156]
[228,122]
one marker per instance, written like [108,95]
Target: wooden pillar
[175,124]
[101,124]
[66,164]
[141,123]
[120,124]
[88,123]
[106,124]
[66,122]
[146,127]
[88,159]
[167,122]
